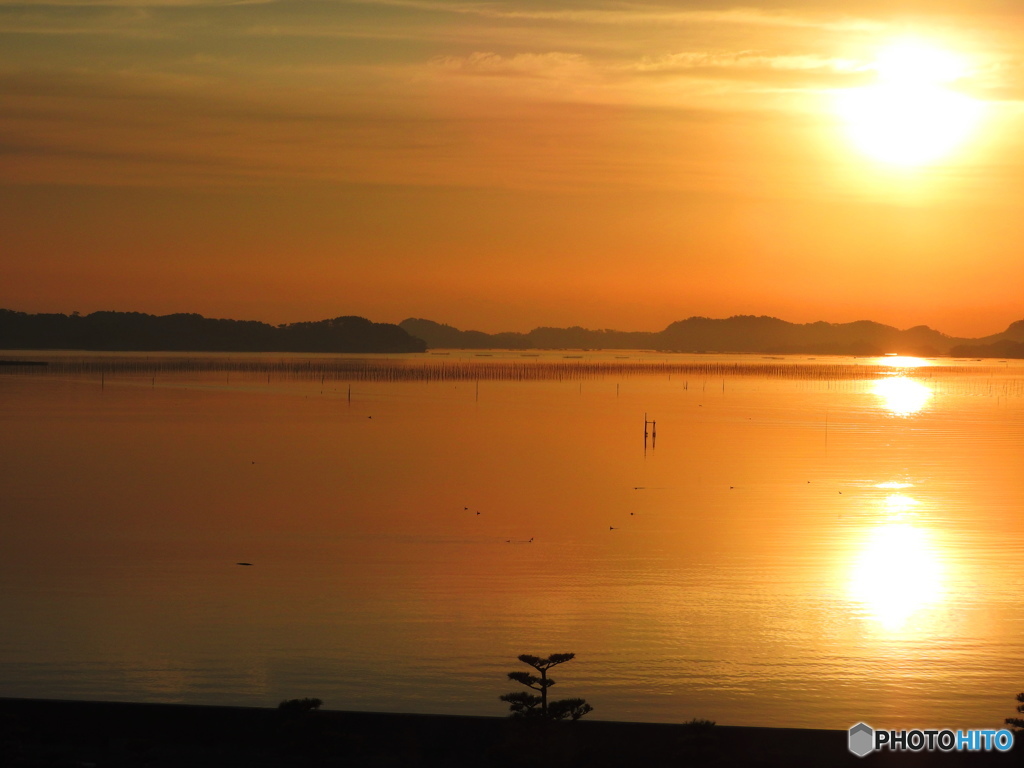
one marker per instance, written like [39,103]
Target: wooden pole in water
[653,432]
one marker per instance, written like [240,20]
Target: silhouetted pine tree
[1018,722]
[523,704]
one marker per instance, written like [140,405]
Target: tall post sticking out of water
[653,433]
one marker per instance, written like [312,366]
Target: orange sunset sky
[505,165]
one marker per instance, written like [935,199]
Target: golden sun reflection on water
[902,396]
[894,484]
[898,504]
[903,361]
[897,574]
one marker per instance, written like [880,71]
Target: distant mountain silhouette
[135,331]
[1009,343]
[1000,349]
[742,333]
[769,334]
[441,336]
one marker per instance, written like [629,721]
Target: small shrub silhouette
[299,706]
[529,705]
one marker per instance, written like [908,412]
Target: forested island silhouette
[136,331]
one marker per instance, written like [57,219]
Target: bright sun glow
[911,117]
[897,504]
[897,573]
[912,63]
[901,396]
[903,361]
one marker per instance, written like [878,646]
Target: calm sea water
[804,543]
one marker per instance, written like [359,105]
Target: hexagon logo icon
[862,739]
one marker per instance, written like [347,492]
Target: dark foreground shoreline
[67,734]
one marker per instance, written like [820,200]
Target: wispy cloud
[853,15]
[641,15]
[748,59]
[671,79]
[544,65]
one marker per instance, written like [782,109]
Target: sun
[911,116]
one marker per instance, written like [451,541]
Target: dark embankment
[139,332]
[37,732]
